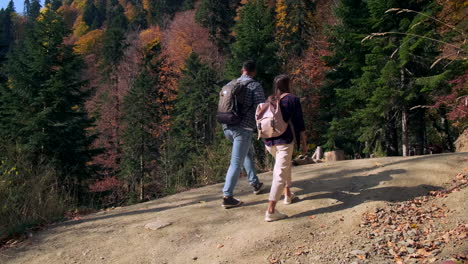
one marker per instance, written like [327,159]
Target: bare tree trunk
[142,165]
[404,119]
[142,173]
[445,125]
[419,125]
[404,132]
[391,136]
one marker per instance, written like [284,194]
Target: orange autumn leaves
[185,36]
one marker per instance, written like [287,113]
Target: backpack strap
[246,83]
[293,131]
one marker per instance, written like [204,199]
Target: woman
[281,147]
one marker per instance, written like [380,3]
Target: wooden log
[334,155]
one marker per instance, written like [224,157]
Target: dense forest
[112,102]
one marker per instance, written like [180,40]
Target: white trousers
[282,169]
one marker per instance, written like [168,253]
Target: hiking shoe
[274,216]
[257,188]
[229,202]
[289,199]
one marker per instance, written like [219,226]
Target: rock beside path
[157,225]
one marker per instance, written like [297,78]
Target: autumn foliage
[456,102]
[185,36]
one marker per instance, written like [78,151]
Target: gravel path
[325,225]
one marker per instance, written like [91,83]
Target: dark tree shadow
[352,191]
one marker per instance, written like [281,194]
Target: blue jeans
[242,154]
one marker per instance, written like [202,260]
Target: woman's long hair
[281,84]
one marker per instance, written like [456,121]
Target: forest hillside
[111,102]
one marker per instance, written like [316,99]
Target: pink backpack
[269,118]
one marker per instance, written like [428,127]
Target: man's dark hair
[249,66]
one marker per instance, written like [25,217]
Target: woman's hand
[304,147]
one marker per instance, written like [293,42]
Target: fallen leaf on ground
[220,246]
[422,252]
[300,252]
[274,261]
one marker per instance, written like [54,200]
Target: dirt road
[195,229]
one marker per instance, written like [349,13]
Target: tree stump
[334,155]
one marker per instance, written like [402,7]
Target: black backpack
[230,105]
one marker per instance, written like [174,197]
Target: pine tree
[293,26]
[113,49]
[378,82]
[27,7]
[34,9]
[218,16]
[90,13]
[348,56]
[44,75]
[255,41]
[142,115]
[188,5]
[161,11]
[139,22]
[94,14]
[194,123]
[6,35]
[114,36]
[55,4]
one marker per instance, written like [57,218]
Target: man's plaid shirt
[253,96]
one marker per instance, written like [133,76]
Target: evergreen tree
[395,88]
[142,115]
[34,9]
[6,35]
[44,75]
[194,122]
[139,22]
[90,13]
[293,26]
[255,40]
[94,15]
[348,56]
[378,83]
[27,7]
[114,36]
[188,5]
[218,17]
[161,11]
[101,12]
[55,4]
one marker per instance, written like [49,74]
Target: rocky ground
[386,210]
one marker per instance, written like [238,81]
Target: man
[241,137]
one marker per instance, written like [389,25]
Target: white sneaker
[289,199]
[274,216]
